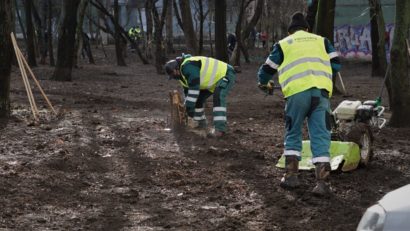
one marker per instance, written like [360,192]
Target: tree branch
[124,34]
[178,16]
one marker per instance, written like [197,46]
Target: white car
[391,213]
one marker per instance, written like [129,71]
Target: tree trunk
[144,36]
[148,18]
[79,31]
[189,31]
[379,62]
[49,32]
[90,25]
[210,35]
[178,15]
[66,41]
[236,54]
[28,4]
[117,36]
[5,56]
[251,25]
[325,19]
[159,21]
[169,29]
[399,78]
[221,51]
[123,34]
[23,31]
[202,18]
[311,14]
[40,24]
[325,25]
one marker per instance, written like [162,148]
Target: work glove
[267,88]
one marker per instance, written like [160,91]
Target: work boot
[290,178]
[322,171]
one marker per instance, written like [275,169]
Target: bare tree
[150,25]
[79,30]
[281,11]
[249,27]
[159,21]
[49,32]
[311,14]
[107,29]
[23,31]
[211,14]
[236,54]
[399,78]
[40,25]
[177,14]
[189,31]
[119,42]
[169,28]
[325,19]
[28,7]
[66,41]
[6,19]
[221,51]
[144,37]
[379,61]
[202,16]
[325,25]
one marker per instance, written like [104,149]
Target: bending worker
[306,64]
[202,77]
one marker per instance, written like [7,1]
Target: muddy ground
[108,161]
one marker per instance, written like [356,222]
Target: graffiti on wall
[355,41]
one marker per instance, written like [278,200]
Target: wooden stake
[36,81]
[341,82]
[25,79]
[408,47]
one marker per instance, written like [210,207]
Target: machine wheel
[362,135]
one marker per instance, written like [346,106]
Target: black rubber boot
[322,172]
[290,178]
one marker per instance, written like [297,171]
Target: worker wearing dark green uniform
[202,77]
[135,33]
[305,63]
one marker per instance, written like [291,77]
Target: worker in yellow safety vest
[135,34]
[306,64]
[202,77]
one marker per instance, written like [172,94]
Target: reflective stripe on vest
[306,64]
[212,70]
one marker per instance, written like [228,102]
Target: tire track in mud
[118,165]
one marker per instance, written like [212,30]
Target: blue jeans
[312,104]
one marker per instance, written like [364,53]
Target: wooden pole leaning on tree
[25,79]
[37,83]
[23,65]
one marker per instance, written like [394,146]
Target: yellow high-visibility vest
[212,70]
[306,64]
